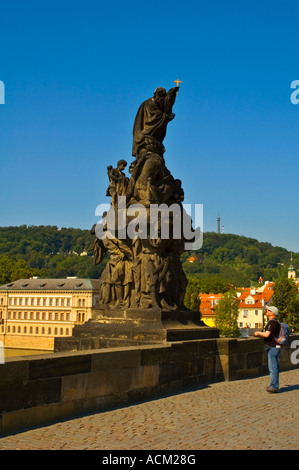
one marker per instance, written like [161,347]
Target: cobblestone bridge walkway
[237,415]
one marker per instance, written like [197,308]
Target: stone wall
[37,342]
[35,390]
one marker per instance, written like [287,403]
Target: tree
[286,299]
[21,270]
[285,291]
[192,301]
[11,270]
[6,269]
[293,315]
[226,315]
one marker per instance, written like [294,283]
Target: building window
[245,313]
[256,312]
[25,329]
[50,315]
[31,330]
[61,331]
[43,331]
[49,331]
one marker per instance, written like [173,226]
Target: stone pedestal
[120,328]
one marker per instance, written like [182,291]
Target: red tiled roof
[260,296]
[206,307]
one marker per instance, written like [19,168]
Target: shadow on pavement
[289,388]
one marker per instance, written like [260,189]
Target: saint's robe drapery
[151,120]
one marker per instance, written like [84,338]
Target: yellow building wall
[255,321]
[17,313]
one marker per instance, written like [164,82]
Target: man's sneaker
[272,390]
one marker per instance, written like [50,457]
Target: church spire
[291,270]
[291,265]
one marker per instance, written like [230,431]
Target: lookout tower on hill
[218,223]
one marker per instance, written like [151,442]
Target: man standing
[271,332]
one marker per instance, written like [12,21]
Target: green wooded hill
[49,252]
[238,259]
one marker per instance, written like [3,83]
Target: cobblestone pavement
[237,415]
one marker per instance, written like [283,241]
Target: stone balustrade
[36,390]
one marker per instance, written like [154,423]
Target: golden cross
[177,82]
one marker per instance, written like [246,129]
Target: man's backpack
[283,337]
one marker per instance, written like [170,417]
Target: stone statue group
[144,272]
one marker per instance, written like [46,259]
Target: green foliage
[240,260]
[11,270]
[203,286]
[286,299]
[191,300]
[46,251]
[293,314]
[225,260]
[226,315]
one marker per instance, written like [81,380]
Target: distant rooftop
[35,283]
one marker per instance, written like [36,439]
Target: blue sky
[76,72]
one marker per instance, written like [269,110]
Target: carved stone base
[132,327]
